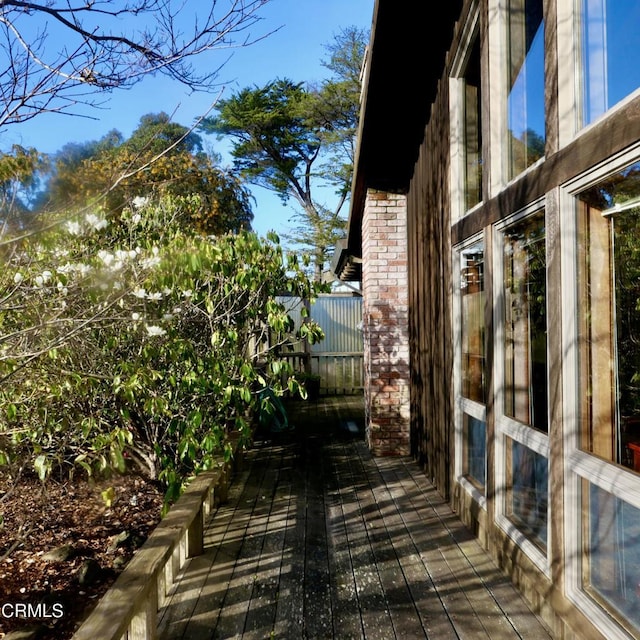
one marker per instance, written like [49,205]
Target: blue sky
[294,51]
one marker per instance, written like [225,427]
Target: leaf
[209,443]
[195,262]
[12,411]
[117,458]
[42,467]
[86,466]
[108,496]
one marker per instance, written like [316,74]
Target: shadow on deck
[320,540]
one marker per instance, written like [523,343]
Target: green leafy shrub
[135,342]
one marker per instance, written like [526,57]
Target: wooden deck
[320,540]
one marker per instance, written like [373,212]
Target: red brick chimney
[386,323]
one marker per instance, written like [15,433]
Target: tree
[337,105]
[160,158]
[293,139]
[157,133]
[57,55]
[20,170]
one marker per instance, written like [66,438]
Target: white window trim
[570,76]
[497,94]
[464,405]
[578,464]
[498,20]
[504,425]
[456,108]
[568,44]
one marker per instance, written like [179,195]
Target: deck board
[320,540]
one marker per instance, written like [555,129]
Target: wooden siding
[429,224]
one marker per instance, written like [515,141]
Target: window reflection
[609,238]
[525,101]
[528,489]
[473,300]
[612,559]
[473,361]
[475,450]
[473,127]
[610,43]
[525,325]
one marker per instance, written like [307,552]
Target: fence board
[338,359]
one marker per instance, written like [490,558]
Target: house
[495,227]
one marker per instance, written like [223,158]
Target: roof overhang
[405,61]
[345,264]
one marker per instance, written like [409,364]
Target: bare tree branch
[56,56]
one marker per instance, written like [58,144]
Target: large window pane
[473,300]
[611,44]
[525,322]
[473,361]
[527,494]
[609,224]
[611,571]
[473,127]
[525,91]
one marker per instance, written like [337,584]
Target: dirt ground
[95,528]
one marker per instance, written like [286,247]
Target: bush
[136,342]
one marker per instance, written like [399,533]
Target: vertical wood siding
[429,249]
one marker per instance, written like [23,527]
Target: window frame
[462,404]
[580,465]
[498,170]
[505,426]
[582,102]
[457,102]
[571,100]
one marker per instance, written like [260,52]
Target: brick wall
[385,323]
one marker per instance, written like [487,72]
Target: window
[473,363]
[527,491]
[609,231]
[475,450]
[525,322]
[472,127]
[611,571]
[522,446]
[610,46]
[525,89]
[472,294]
[466,121]
[601,375]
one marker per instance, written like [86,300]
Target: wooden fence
[338,359]
[341,372]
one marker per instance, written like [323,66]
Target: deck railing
[129,609]
[340,372]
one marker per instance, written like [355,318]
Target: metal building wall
[338,359]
